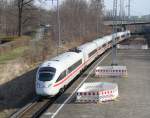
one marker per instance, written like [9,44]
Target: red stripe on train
[73,72]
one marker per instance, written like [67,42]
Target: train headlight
[39,85]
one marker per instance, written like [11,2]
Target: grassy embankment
[15,53]
[16,50]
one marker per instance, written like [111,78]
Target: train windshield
[46,73]
[44,76]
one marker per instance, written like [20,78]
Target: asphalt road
[134,100]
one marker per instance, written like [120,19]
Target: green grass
[15,53]
[8,38]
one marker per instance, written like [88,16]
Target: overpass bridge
[136,27]
[126,23]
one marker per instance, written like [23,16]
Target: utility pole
[97,22]
[98,16]
[114,51]
[129,10]
[59,25]
[58,21]
[121,12]
[99,7]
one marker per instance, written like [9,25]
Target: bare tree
[21,4]
[79,18]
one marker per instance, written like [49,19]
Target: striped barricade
[87,97]
[109,71]
[97,92]
[145,47]
[108,95]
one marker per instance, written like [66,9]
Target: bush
[8,39]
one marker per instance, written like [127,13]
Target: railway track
[35,108]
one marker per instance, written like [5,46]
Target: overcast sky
[138,7]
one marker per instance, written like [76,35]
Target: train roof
[121,33]
[100,41]
[107,38]
[63,61]
[88,47]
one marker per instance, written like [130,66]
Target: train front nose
[45,89]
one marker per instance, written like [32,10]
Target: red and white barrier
[108,71]
[144,47]
[97,92]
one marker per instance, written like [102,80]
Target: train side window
[74,66]
[123,36]
[92,53]
[109,42]
[117,38]
[62,75]
[104,45]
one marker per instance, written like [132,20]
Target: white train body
[89,51]
[58,72]
[55,74]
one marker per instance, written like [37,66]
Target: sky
[138,7]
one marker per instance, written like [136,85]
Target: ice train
[55,74]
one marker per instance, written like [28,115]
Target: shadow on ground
[16,93]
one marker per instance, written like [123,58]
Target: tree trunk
[20,7]
[19,24]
